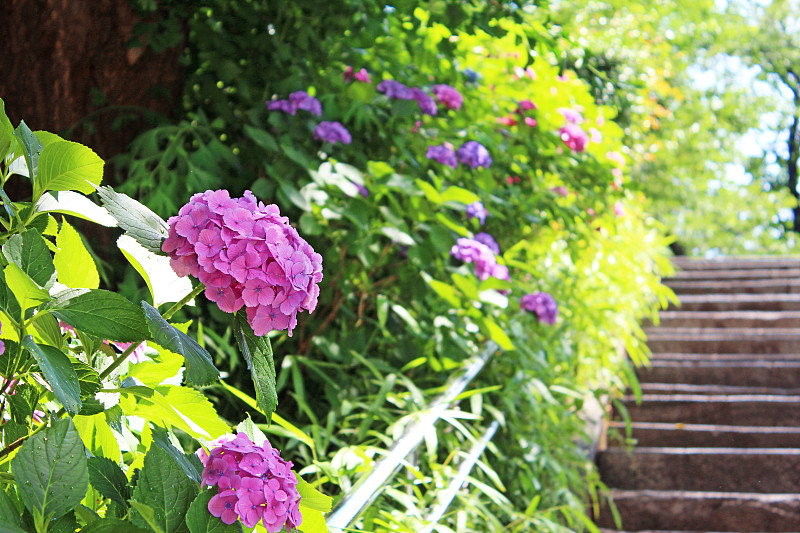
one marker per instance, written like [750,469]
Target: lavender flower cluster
[398,91]
[246,254]
[473,251]
[541,303]
[253,484]
[331,132]
[471,153]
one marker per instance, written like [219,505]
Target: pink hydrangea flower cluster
[574,137]
[473,251]
[253,484]
[246,254]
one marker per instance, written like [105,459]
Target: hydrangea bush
[418,283]
[101,398]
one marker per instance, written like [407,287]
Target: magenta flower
[332,132]
[254,482]
[541,303]
[137,355]
[574,137]
[223,505]
[395,89]
[363,76]
[443,154]
[246,254]
[526,105]
[477,210]
[474,154]
[448,96]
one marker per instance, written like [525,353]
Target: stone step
[713,390]
[736,263]
[733,357]
[769,374]
[730,319]
[719,340]
[734,274]
[703,511]
[739,302]
[734,410]
[764,470]
[708,435]
[755,286]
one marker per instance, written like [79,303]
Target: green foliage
[165,490]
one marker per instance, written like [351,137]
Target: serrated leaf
[101,313]
[161,439]
[164,488]
[112,525]
[164,284]
[50,470]
[152,374]
[6,132]
[8,302]
[247,427]
[200,369]
[30,253]
[148,516]
[313,521]
[97,435]
[257,351]
[48,330]
[200,520]
[146,227]
[58,372]
[312,498]
[73,262]
[68,166]
[66,524]
[75,204]
[23,402]
[8,511]
[195,410]
[29,147]
[109,480]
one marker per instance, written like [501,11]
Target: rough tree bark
[59,53]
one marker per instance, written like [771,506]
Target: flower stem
[172,310]
[118,361]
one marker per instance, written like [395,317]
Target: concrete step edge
[722,428]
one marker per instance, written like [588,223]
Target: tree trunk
[62,56]
[791,162]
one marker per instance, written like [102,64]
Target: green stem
[118,361]
[172,310]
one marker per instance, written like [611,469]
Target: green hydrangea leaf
[200,520]
[164,488]
[51,471]
[257,351]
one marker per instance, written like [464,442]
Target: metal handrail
[446,498]
[368,487]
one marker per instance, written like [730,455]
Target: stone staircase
[717,432]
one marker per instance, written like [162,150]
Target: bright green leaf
[75,204]
[73,262]
[68,166]
[312,498]
[459,195]
[29,251]
[164,284]
[23,288]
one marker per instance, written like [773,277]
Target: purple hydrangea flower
[474,154]
[247,255]
[426,102]
[443,154]
[332,132]
[254,484]
[574,137]
[395,89]
[302,100]
[488,240]
[297,100]
[541,303]
[477,210]
[472,251]
[448,96]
